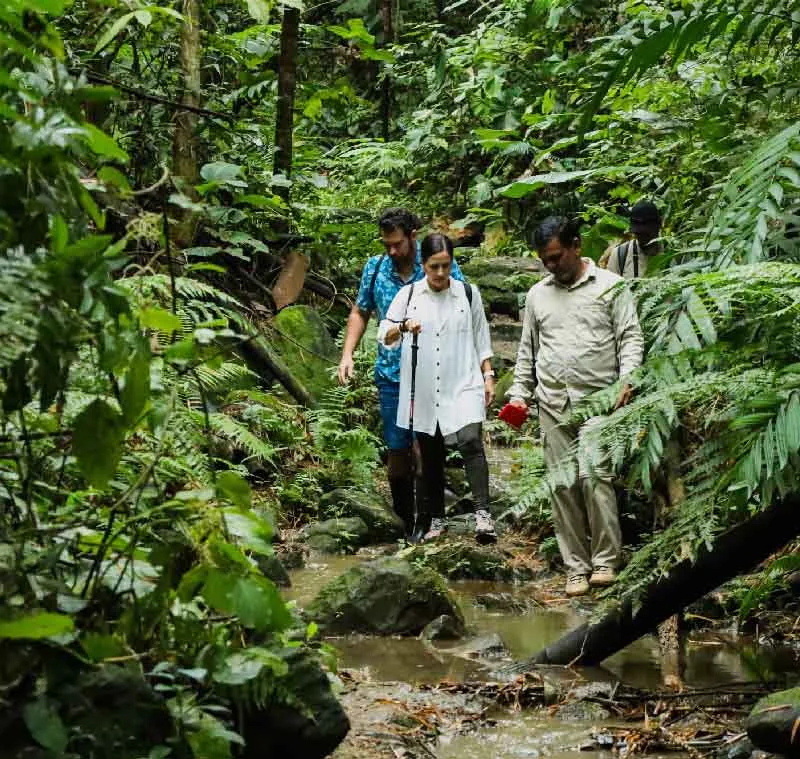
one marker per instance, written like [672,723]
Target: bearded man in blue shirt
[381,280]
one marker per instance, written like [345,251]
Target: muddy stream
[390,668]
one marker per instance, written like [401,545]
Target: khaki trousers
[584,505]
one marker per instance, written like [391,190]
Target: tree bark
[287,81]
[267,364]
[386,84]
[736,551]
[184,144]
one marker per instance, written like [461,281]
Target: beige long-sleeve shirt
[576,339]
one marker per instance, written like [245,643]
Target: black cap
[645,211]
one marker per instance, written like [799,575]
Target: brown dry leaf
[794,729]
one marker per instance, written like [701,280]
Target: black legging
[469,441]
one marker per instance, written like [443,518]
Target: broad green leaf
[355,30]
[111,176]
[234,488]
[113,30]
[523,187]
[260,10]
[254,600]
[37,626]
[221,171]
[97,442]
[53,7]
[98,646]
[252,532]
[44,724]
[203,251]
[136,390]
[102,144]
[59,233]
[160,319]
[145,18]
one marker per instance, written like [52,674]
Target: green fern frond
[243,438]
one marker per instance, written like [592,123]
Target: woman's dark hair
[435,243]
[566,230]
[398,218]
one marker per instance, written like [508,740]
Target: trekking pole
[412,394]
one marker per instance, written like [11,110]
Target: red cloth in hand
[513,415]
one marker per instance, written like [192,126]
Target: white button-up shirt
[454,341]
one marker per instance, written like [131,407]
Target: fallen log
[266,363]
[738,550]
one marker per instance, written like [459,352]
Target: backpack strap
[468,293]
[375,276]
[410,293]
[635,259]
[622,252]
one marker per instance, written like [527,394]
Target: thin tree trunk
[287,81]
[736,551]
[184,145]
[386,84]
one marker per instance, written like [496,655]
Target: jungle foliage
[144,466]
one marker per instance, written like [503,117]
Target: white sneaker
[484,527]
[437,528]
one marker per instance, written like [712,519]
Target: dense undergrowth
[145,466]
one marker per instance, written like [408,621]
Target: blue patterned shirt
[387,285]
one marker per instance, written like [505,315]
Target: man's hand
[346,369]
[624,397]
[488,391]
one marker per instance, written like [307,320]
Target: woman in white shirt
[454,380]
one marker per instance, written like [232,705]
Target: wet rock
[343,535]
[501,602]
[302,340]
[771,724]
[740,749]
[382,523]
[113,714]
[582,711]
[464,560]
[444,627]
[487,647]
[292,555]
[310,727]
[272,567]
[387,596]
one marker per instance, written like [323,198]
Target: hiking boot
[576,585]
[602,577]
[436,530]
[484,527]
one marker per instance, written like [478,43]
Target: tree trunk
[287,81]
[386,84]
[736,551]
[184,144]
[266,363]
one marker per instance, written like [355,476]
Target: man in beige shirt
[580,335]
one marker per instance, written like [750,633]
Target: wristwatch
[402,325]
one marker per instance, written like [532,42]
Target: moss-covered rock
[309,724]
[382,523]
[388,596]
[464,560]
[343,535]
[444,627]
[302,340]
[272,567]
[503,282]
[771,724]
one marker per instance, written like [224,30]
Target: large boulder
[302,340]
[342,535]
[771,724]
[309,724]
[503,282]
[387,596]
[382,523]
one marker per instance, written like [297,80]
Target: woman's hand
[488,391]
[412,326]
